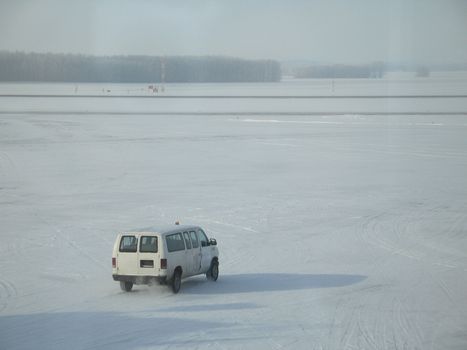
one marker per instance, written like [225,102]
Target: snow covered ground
[335,231]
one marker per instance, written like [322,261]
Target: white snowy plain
[335,232]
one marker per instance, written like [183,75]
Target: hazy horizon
[361,31]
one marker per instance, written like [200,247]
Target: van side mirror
[212,241]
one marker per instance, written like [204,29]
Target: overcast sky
[352,31]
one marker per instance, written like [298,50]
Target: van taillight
[163,263]
[114,262]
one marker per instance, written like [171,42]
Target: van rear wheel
[126,286]
[176,281]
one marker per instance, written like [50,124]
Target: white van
[163,255]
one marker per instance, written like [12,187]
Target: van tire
[176,281]
[126,286]
[213,272]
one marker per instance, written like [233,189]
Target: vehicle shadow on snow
[268,282]
[97,330]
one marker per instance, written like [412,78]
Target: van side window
[187,240]
[194,239]
[175,242]
[148,244]
[128,244]
[202,238]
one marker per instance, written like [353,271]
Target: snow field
[335,232]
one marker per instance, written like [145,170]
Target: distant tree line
[373,70]
[20,66]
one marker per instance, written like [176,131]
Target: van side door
[206,255]
[176,253]
[196,252]
[190,267]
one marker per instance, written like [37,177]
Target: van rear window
[148,244]
[128,244]
[175,242]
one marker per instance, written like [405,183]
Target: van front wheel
[213,272]
[126,286]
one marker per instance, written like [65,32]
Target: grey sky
[353,31]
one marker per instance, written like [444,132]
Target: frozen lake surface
[335,231]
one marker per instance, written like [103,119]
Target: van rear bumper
[140,279]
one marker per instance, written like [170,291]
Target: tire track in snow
[444,287]
[378,333]
[404,331]
[349,330]
[398,333]
[454,258]
[78,248]
[360,329]
[245,228]
[343,324]
[453,307]
[368,231]
[398,239]
[409,326]
[371,320]
[364,330]
[401,152]
[8,169]
[436,247]
[72,243]
[233,259]
[8,291]
[368,234]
